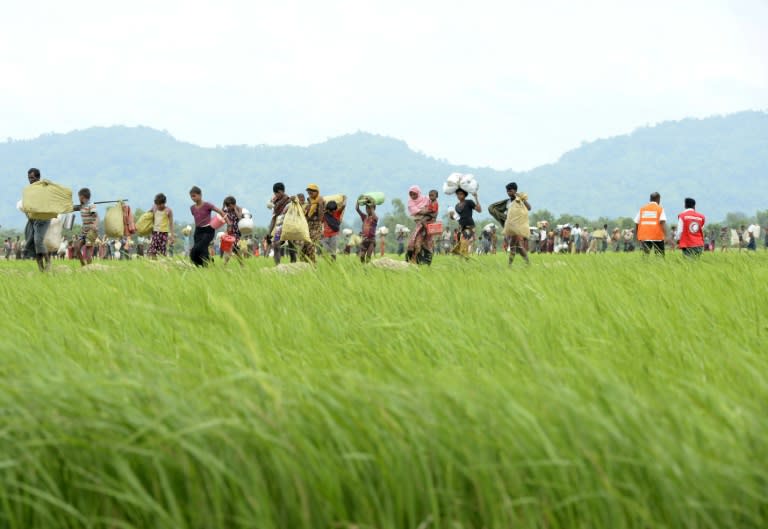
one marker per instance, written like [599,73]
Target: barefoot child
[232,214]
[370,221]
[331,227]
[162,228]
[89,231]
[201,212]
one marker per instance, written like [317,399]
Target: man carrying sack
[516,225]
[42,201]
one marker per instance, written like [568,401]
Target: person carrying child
[423,209]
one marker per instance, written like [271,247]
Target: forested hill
[721,161]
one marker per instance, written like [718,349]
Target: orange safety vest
[649,228]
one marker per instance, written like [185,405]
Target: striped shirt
[90,217]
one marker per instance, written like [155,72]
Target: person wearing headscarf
[423,209]
[315,209]
[278,205]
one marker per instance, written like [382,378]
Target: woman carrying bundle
[423,209]
[463,213]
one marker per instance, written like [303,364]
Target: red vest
[692,225]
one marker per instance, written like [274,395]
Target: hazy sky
[509,84]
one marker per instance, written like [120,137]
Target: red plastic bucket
[435,228]
[227,242]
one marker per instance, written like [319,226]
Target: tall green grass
[580,392]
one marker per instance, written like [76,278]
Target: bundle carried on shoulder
[383,230]
[295,227]
[44,200]
[516,223]
[113,221]
[145,223]
[498,211]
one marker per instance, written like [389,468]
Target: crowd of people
[323,223]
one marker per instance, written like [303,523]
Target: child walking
[162,228]
[232,214]
[370,221]
[201,212]
[89,232]
[331,227]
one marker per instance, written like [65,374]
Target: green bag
[517,220]
[44,200]
[145,223]
[113,221]
[498,211]
[295,227]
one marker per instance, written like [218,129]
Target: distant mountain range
[721,161]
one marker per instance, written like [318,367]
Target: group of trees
[720,161]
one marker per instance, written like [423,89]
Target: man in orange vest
[651,225]
[690,232]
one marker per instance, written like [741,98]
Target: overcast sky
[507,84]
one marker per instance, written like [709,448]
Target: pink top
[202,214]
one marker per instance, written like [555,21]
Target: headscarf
[415,205]
[314,203]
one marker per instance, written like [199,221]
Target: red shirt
[432,209]
[327,231]
[690,233]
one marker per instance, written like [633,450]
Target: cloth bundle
[456,181]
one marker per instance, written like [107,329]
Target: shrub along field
[582,391]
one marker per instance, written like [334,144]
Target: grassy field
[580,392]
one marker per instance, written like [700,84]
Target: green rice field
[586,391]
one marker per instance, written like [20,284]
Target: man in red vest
[651,226]
[690,232]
